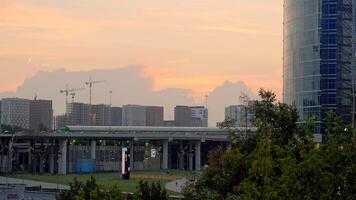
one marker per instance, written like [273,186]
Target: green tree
[151,191]
[281,160]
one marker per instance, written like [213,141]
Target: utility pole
[91,83]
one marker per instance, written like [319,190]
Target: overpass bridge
[52,147]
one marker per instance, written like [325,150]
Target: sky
[195,44]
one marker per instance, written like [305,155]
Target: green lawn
[107,179]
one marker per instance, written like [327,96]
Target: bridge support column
[198,156]
[41,164]
[10,155]
[228,146]
[165,154]
[190,157]
[132,164]
[51,163]
[62,161]
[191,163]
[93,149]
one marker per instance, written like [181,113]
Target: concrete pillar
[93,149]
[198,156]
[228,146]
[4,163]
[132,164]
[51,163]
[41,164]
[190,157]
[10,155]
[181,161]
[165,154]
[62,162]
[191,164]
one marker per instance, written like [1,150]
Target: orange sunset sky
[195,44]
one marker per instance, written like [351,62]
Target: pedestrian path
[29,183]
[177,185]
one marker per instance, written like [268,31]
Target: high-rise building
[78,114]
[41,114]
[15,112]
[182,116]
[195,116]
[240,115]
[133,115]
[354,41]
[236,113]
[0,116]
[200,116]
[317,59]
[169,123]
[154,116]
[116,116]
[101,115]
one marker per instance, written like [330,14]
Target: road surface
[29,183]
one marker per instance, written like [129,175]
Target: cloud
[224,95]
[237,30]
[129,86]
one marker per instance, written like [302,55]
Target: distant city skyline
[128,87]
[195,45]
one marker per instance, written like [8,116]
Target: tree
[245,100]
[151,191]
[91,190]
[281,161]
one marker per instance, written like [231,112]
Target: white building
[200,113]
[237,114]
[15,112]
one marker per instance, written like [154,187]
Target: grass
[107,179]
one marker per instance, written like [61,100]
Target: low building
[61,121]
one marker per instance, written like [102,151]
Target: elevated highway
[57,142]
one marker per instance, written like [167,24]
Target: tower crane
[73,92]
[91,83]
[68,92]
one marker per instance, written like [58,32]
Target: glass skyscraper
[317,63]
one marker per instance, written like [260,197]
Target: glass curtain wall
[317,58]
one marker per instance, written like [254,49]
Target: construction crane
[68,92]
[73,92]
[91,84]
